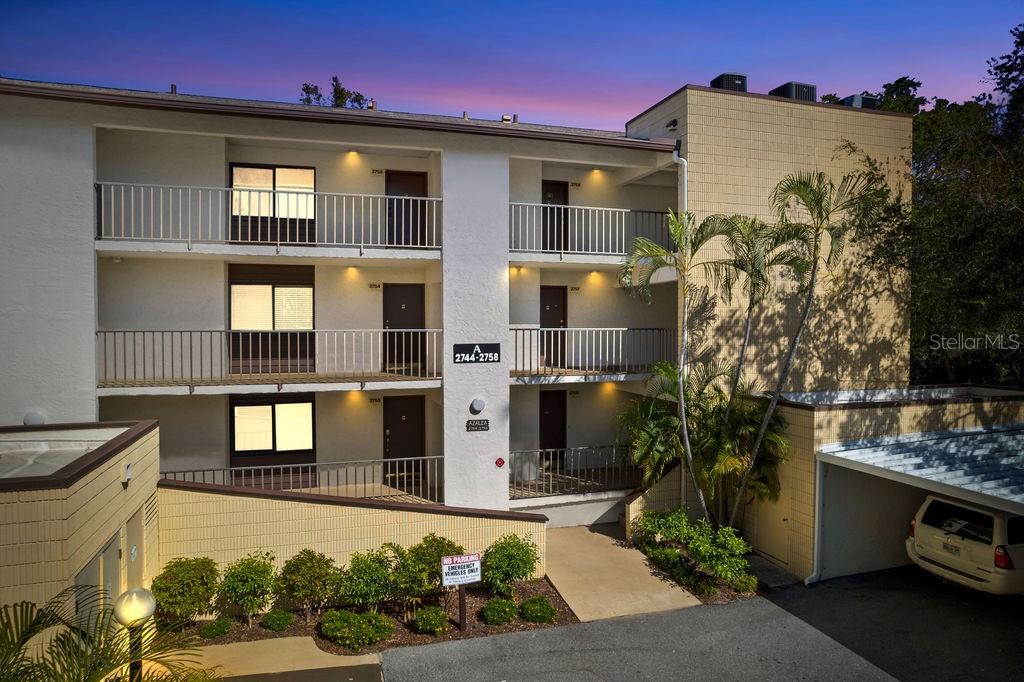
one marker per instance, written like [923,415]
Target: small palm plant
[811,203]
[74,636]
[647,258]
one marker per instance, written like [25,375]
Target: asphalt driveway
[914,626]
[748,639]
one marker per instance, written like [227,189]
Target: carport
[868,490]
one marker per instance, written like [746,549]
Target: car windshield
[966,523]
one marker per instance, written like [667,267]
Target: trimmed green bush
[310,579]
[498,611]
[745,583]
[185,588]
[538,610]
[368,580]
[277,620]
[431,620]
[248,584]
[507,561]
[216,628]
[408,578]
[355,631]
[428,552]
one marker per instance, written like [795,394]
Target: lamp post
[132,609]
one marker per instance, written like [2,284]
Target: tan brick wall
[662,496]
[227,527]
[48,536]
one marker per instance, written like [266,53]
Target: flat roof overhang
[983,466]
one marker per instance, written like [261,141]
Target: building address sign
[475,353]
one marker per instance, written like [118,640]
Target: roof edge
[144,100]
[759,95]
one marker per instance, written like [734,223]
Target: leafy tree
[248,584]
[310,579]
[645,259]
[340,96]
[831,98]
[900,96]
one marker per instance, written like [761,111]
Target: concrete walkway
[277,655]
[600,577]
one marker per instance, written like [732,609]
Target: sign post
[461,570]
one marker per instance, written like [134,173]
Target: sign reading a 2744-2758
[460,569]
[469,353]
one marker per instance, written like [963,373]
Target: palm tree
[74,637]
[638,268]
[721,438]
[754,250]
[824,208]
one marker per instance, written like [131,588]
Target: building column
[476,310]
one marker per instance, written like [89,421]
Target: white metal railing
[211,357]
[175,213]
[570,471]
[550,228]
[410,479]
[568,351]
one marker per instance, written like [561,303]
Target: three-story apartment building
[378,304]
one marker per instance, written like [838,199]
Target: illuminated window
[278,191]
[269,430]
[271,306]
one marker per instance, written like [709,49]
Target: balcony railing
[217,215]
[568,352]
[216,357]
[570,471]
[411,479]
[549,228]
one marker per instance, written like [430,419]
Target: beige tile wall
[48,536]
[662,496]
[227,527]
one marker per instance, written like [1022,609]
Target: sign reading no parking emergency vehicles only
[460,569]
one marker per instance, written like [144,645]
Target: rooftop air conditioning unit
[860,102]
[804,92]
[737,82]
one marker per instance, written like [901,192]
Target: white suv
[974,546]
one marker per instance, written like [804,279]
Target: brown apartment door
[407,217]
[404,426]
[404,351]
[552,428]
[554,304]
[556,218]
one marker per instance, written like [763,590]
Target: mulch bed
[404,634]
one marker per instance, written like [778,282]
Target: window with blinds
[279,191]
[260,428]
[271,307]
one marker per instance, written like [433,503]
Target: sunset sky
[587,64]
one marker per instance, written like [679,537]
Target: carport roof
[981,465]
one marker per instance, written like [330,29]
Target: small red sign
[500,462]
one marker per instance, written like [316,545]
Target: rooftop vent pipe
[174,88]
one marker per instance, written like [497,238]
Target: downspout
[819,504]
[681,201]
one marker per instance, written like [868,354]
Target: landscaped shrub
[367,581]
[277,620]
[310,579]
[249,584]
[696,555]
[745,583]
[216,628]
[185,588]
[498,611]
[538,610]
[431,620]
[509,560]
[409,578]
[428,553]
[355,631]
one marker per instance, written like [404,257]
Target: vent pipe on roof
[505,118]
[515,118]
[174,88]
[372,105]
[465,115]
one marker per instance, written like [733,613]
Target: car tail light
[913,527]
[1003,559]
